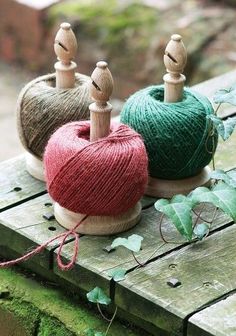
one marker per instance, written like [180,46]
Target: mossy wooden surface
[16,184]
[218,319]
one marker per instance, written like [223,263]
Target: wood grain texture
[23,228]
[94,264]
[16,184]
[216,320]
[205,269]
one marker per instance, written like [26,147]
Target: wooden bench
[204,303]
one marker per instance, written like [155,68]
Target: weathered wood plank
[16,184]
[94,264]
[217,320]
[209,87]
[23,227]
[225,153]
[205,269]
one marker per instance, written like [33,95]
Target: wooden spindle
[100,115]
[65,47]
[100,110]
[175,59]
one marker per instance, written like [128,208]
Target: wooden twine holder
[175,59]
[65,47]
[100,115]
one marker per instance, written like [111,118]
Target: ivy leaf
[92,332]
[133,243]
[117,274]
[98,296]
[89,332]
[224,127]
[201,230]
[232,176]
[225,96]
[216,120]
[222,196]
[178,210]
[229,178]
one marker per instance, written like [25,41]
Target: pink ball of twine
[101,178]
[106,177]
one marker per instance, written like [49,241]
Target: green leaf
[225,96]
[224,127]
[178,210]
[98,296]
[229,177]
[201,230]
[92,332]
[133,243]
[89,332]
[117,274]
[222,196]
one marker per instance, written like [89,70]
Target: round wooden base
[168,188]
[34,166]
[98,225]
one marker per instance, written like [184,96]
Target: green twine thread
[178,136]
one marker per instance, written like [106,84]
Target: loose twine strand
[39,249]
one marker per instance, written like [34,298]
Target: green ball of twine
[179,137]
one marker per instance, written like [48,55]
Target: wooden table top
[203,304]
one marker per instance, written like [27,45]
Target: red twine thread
[39,249]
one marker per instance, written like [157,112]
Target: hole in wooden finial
[96,86]
[61,45]
[171,57]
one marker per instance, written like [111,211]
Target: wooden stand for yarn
[100,113]
[175,59]
[65,47]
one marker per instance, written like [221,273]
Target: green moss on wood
[29,299]
[49,327]
[24,315]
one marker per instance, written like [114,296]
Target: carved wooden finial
[100,112]
[65,47]
[175,59]
[102,83]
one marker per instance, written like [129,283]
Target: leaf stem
[199,215]
[110,323]
[150,257]
[137,261]
[103,316]
[217,109]
[162,236]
